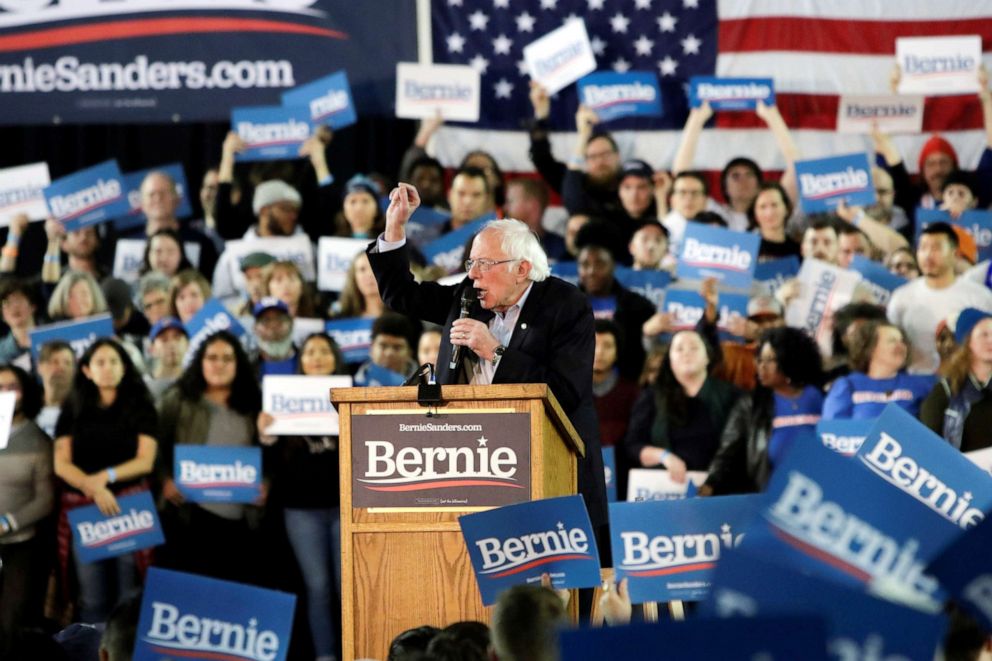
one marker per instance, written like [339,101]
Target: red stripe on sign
[819,111]
[542,561]
[699,566]
[109,31]
[827,35]
[822,555]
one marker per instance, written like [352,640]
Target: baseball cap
[269,303]
[164,324]
[270,192]
[967,320]
[763,306]
[361,184]
[635,167]
[256,260]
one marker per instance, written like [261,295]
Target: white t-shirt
[918,309]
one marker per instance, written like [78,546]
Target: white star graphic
[549,4]
[666,22]
[561,526]
[480,64]
[502,45]
[571,17]
[668,66]
[690,4]
[501,4]
[455,42]
[522,68]
[642,4]
[967,495]
[598,46]
[643,46]
[503,88]
[482,441]
[478,21]
[525,22]
[595,4]
[725,528]
[621,65]
[619,23]
[690,45]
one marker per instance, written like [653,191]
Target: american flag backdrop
[816,51]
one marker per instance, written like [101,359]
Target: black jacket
[741,464]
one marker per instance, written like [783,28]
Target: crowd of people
[92,427]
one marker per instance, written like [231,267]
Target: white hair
[519,242]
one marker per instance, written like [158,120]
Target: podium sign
[466,460]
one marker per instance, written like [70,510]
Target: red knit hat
[937,145]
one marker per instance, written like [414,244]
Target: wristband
[5,526]
[577,161]
[664,455]
[13,240]
[111,476]
[52,259]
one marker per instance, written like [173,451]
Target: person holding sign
[306,484]
[104,447]
[522,326]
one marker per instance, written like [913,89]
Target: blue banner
[80,334]
[328,98]
[667,549]
[448,251]
[920,464]
[376,376]
[354,337]
[649,284]
[567,271]
[825,182]
[514,545]
[713,252]
[211,318]
[772,274]
[87,197]
[686,308]
[785,638]
[859,626]
[731,93]
[879,279]
[614,95]
[965,570]
[610,467]
[826,518]
[184,616]
[271,133]
[98,537]
[132,186]
[844,436]
[136,61]
[218,474]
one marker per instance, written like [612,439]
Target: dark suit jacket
[553,343]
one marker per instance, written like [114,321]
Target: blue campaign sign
[614,95]
[354,336]
[783,638]
[917,462]
[567,271]
[713,252]
[132,188]
[731,93]
[79,334]
[211,318]
[859,626]
[825,517]
[667,549]
[844,436]
[965,570]
[87,197]
[514,545]
[98,537]
[772,274]
[825,182]
[449,250]
[686,308]
[610,466]
[376,376]
[328,98]
[878,278]
[185,616]
[649,284]
[272,133]
[218,474]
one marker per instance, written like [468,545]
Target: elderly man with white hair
[523,326]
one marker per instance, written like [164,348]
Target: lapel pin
[523,326]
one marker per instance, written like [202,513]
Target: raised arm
[786,145]
[694,123]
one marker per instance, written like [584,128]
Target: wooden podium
[405,566]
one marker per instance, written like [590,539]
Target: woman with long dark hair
[768,213]
[783,410]
[676,423]
[214,402]
[165,254]
[305,484]
[104,447]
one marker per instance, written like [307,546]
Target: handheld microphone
[467,297]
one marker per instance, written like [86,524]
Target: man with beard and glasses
[593,174]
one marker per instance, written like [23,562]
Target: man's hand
[54,230]
[403,201]
[676,467]
[93,483]
[585,119]
[615,602]
[658,323]
[540,100]
[171,492]
[428,127]
[703,112]
[475,335]
[765,111]
[106,502]
[564,595]
[233,144]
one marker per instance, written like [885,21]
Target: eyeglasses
[485,264]
[681,192]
